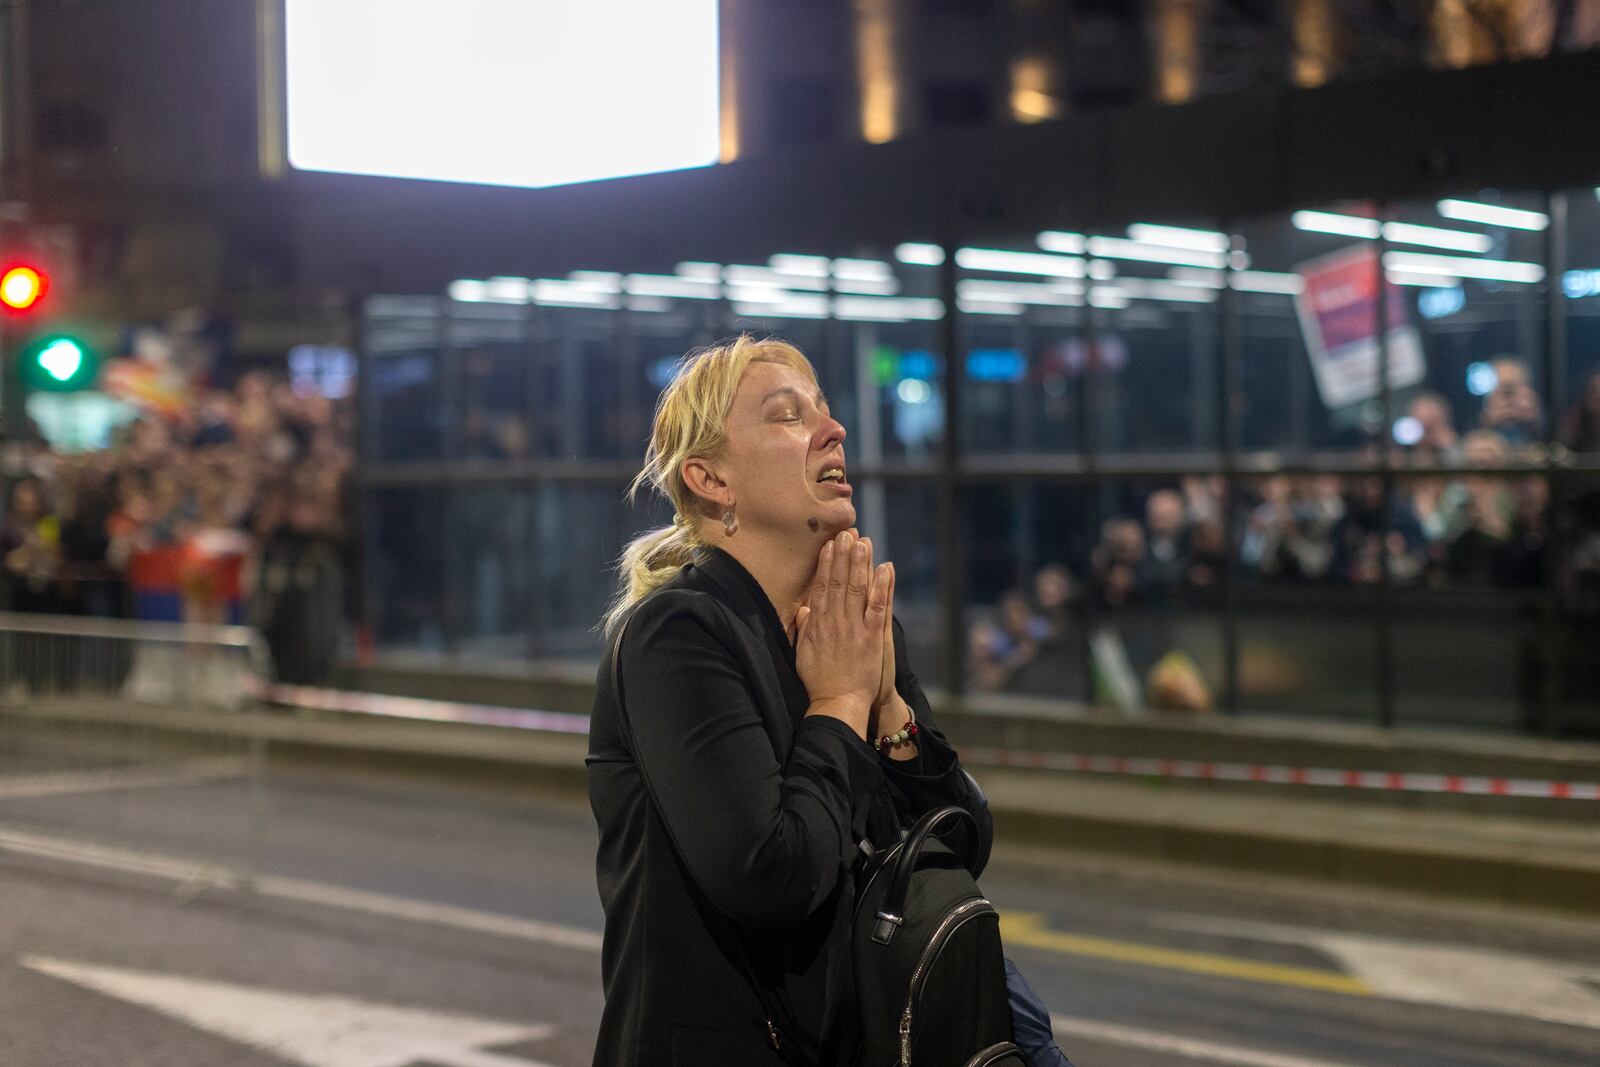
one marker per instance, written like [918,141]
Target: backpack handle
[894,902]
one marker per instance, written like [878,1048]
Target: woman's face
[780,439]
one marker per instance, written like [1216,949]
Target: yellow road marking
[1028,929]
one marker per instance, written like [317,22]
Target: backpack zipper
[772,1035]
[957,916]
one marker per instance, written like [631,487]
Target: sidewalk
[1490,855]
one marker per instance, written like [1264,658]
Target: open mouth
[833,476]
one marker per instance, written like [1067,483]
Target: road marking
[1177,1045]
[316,1031]
[1445,975]
[307,892]
[58,783]
[1408,973]
[422,911]
[1027,928]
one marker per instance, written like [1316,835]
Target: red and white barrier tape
[1404,781]
[1135,766]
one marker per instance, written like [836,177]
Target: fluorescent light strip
[597,280]
[1493,215]
[707,272]
[1266,281]
[782,311]
[1157,289]
[672,285]
[1001,261]
[1459,267]
[745,274]
[862,270]
[973,306]
[563,293]
[1428,281]
[1102,270]
[1328,222]
[1407,233]
[804,266]
[649,303]
[468,291]
[1070,295]
[493,291]
[1059,241]
[887,309]
[1122,248]
[919,254]
[751,293]
[1179,237]
[1105,296]
[1197,277]
[869,286]
[504,290]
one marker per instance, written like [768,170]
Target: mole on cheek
[813,524]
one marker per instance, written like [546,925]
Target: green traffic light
[62,359]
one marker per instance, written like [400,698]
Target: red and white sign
[1338,316]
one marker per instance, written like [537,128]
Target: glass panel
[901,517]
[1471,270]
[1579,428]
[492,571]
[1575,557]
[404,417]
[577,534]
[1471,549]
[1307,632]
[1155,571]
[1025,379]
[489,346]
[1026,613]
[899,402]
[1308,356]
[405,590]
[576,384]
[1114,315]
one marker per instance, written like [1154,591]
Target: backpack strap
[894,901]
[733,936]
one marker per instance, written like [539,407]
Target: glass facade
[1342,462]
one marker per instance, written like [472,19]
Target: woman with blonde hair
[767,724]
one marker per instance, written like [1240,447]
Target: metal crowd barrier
[108,737]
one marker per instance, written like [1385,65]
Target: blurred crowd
[1442,531]
[233,508]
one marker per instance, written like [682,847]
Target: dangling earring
[729,523]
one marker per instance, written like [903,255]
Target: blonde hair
[691,420]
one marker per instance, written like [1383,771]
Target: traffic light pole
[13,405]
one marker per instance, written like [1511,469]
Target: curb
[1482,875]
[552,765]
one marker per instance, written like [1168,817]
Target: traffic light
[22,287]
[59,363]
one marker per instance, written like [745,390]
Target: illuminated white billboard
[501,92]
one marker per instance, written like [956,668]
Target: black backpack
[930,969]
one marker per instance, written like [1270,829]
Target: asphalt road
[395,922]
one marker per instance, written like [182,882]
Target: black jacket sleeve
[935,777]
[765,841]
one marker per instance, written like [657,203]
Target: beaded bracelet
[901,736]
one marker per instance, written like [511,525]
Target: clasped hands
[844,637]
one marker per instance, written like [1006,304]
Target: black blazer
[748,831]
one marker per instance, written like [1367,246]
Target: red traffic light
[21,287]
